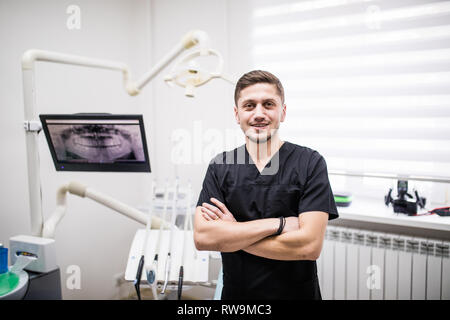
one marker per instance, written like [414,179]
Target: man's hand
[228,235]
[256,237]
[211,212]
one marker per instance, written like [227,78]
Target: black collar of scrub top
[249,159]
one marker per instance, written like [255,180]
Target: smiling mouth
[260,126]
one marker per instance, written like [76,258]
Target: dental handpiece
[180,282]
[168,260]
[151,276]
[137,281]
[153,271]
[181,273]
[166,278]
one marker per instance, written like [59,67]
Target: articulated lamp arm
[80,190]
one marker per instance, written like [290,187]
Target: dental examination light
[188,74]
[33,126]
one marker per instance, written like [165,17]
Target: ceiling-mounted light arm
[133,88]
[29,58]
[189,40]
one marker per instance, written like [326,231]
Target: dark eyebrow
[253,101]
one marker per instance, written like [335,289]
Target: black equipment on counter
[401,204]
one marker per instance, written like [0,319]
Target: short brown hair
[254,77]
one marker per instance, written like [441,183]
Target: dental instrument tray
[96,142]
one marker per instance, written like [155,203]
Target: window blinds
[367,83]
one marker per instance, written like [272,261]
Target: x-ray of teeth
[97,143]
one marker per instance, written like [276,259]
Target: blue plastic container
[3,260]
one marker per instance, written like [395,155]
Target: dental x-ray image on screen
[87,142]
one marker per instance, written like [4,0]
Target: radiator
[363,265]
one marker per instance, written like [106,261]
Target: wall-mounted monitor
[96,142]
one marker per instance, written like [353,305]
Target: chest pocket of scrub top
[283,200]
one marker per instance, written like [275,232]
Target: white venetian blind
[367,83]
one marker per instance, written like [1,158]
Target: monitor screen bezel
[142,166]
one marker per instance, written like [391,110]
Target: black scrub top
[298,184]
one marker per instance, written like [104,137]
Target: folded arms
[215,229]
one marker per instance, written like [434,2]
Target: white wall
[90,236]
